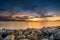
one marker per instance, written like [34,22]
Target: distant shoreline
[28,21]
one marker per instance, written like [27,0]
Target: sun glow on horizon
[34,19]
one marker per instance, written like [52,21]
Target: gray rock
[24,39]
[52,30]
[1,38]
[20,32]
[21,36]
[57,35]
[9,37]
[27,33]
[44,39]
[52,37]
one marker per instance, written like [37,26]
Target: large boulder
[57,35]
[9,37]
[50,30]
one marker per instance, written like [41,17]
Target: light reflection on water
[42,24]
[23,24]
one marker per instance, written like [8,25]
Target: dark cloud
[39,6]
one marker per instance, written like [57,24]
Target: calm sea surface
[24,24]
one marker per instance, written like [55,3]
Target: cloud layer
[38,6]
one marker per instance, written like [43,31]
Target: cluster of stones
[46,33]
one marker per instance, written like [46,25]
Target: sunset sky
[36,6]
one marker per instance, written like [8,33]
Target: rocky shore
[46,33]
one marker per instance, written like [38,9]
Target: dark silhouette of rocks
[46,33]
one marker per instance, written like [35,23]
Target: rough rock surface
[46,33]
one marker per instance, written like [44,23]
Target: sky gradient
[37,6]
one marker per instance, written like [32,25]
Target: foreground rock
[9,37]
[49,33]
[57,35]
